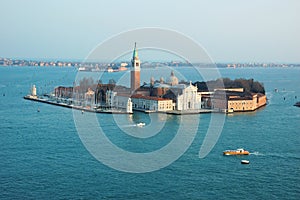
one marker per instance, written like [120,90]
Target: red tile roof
[139,96]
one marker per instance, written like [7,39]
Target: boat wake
[127,126]
[256,153]
[134,125]
[2,86]
[285,156]
[278,155]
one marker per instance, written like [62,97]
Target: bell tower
[135,79]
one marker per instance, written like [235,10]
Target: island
[171,96]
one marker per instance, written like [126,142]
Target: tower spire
[135,52]
[135,70]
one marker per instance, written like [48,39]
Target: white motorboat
[245,161]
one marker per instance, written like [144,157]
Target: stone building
[63,92]
[150,103]
[233,101]
[187,98]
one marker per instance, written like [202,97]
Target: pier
[86,109]
[113,111]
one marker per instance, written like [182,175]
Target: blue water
[42,156]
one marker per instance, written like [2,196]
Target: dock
[190,112]
[116,111]
[85,109]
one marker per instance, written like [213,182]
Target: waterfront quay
[105,109]
[45,99]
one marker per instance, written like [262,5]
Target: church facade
[157,96]
[187,98]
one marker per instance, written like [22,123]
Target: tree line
[249,85]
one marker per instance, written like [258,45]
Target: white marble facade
[187,97]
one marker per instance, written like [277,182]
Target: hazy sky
[230,30]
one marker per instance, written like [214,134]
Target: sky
[229,30]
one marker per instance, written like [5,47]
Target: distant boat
[122,68]
[231,110]
[81,69]
[109,69]
[245,161]
[297,104]
[235,152]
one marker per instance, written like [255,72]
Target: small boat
[81,69]
[141,124]
[245,162]
[297,104]
[109,69]
[235,152]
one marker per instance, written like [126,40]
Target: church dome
[152,80]
[173,80]
[161,80]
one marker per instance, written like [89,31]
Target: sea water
[42,156]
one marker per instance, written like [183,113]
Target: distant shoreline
[102,66]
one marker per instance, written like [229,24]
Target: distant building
[63,92]
[115,100]
[140,102]
[233,101]
[33,91]
[187,97]
[89,97]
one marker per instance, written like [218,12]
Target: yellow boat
[235,152]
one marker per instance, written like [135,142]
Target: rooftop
[139,96]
